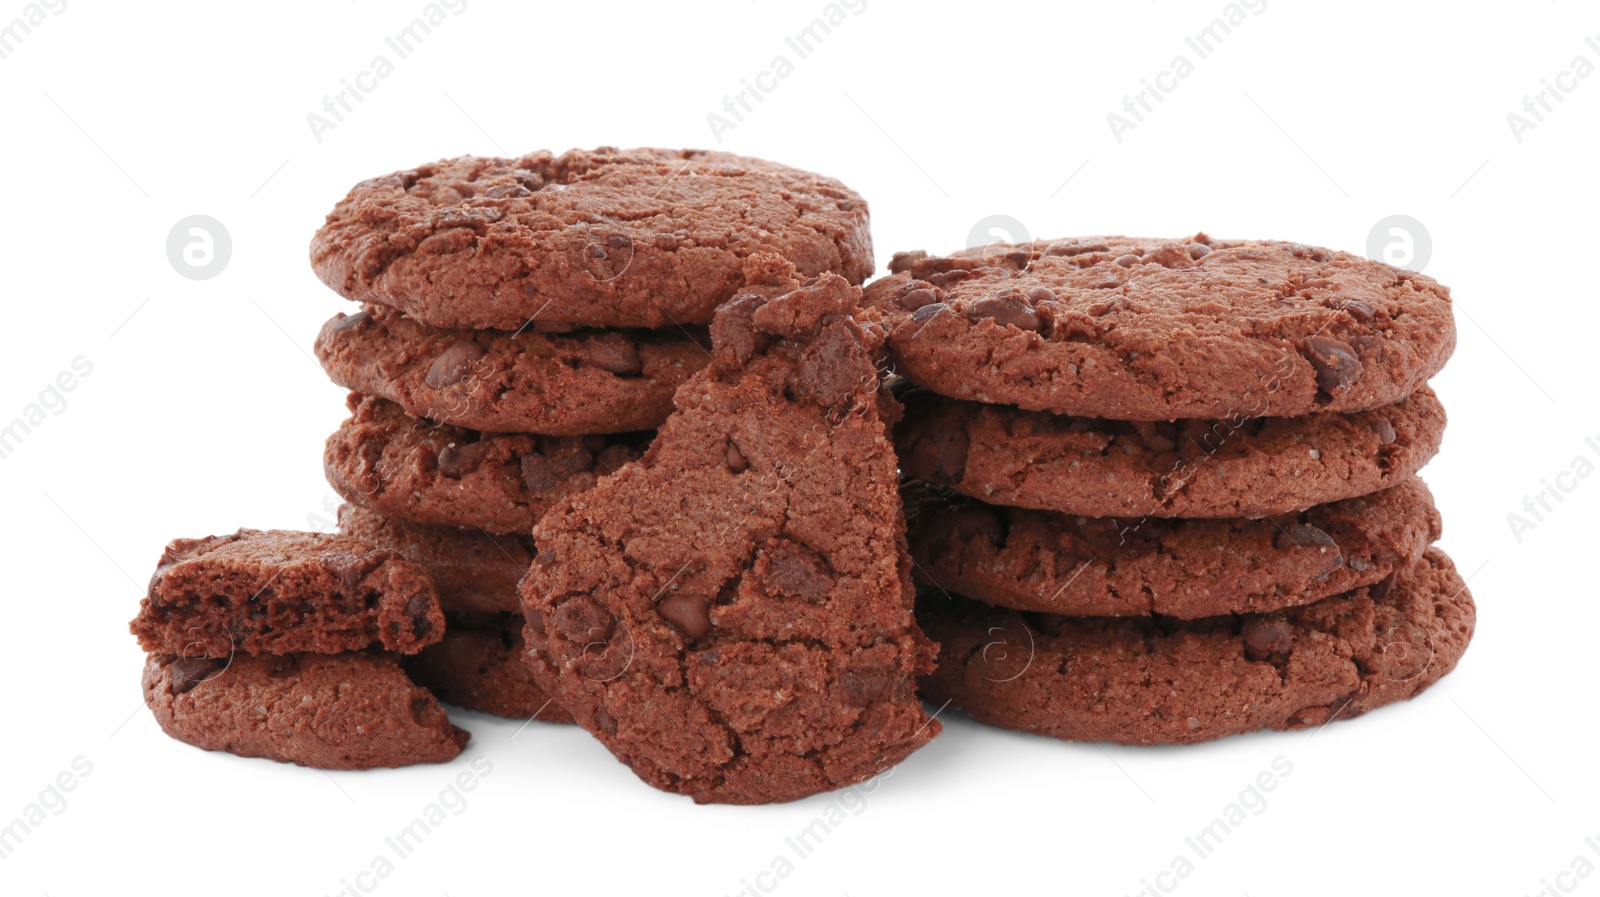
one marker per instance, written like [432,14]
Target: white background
[204,412]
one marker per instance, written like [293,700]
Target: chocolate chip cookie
[571,384]
[479,665]
[1098,566]
[1153,329]
[474,571]
[426,472]
[280,592]
[329,711]
[1157,680]
[1230,467]
[732,615]
[601,238]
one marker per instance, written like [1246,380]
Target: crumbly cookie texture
[599,238]
[732,615]
[1238,467]
[1164,681]
[281,592]
[1158,329]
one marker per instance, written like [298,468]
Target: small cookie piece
[479,665]
[475,571]
[1233,467]
[1103,566]
[327,711]
[599,238]
[731,617]
[1151,329]
[574,384]
[279,592]
[1161,681]
[425,472]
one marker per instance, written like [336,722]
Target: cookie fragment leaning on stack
[285,645]
[1176,482]
[524,325]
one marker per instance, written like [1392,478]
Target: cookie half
[426,472]
[329,711]
[1163,681]
[1097,566]
[475,571]
[567,384]
[1155,329]
[601,238]
[280,592]
[731,616]
[1233,467]
[479,665]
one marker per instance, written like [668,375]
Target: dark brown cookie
[329,711]
[278,592]
[602,238]
[1253,467]
[1138,680]
[479,665]
[577,384]
[475,571]
[1148,329]
[414,469]
[1101,566]
[732,615]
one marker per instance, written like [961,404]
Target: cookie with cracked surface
[478,665]
[1099,566]
[415,469]
[1150,329]
[731,617]
[559,384]
[327,711]
[281,592]
[1230,467]
[1146,681]
[599,238]
[475,571]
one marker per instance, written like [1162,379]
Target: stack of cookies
[524,325]
[1163,491]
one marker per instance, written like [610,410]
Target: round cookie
[1253,467]
[568,384]
[1148,681]
[731,616]
[328,711]
[412,469]
[475,571]
[600,238]
[1149,329]
[1100,566]
[479,666]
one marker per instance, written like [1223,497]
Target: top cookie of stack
[1214,441]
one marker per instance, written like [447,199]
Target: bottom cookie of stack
[1160,680]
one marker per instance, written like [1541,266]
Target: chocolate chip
[1385,431]
[1359,310]
[1010,310]
[187,672]
[426,712]
[861,687]
[1126,261]
[665,242]
[348,321]
[1302,535]
[1197,250]
[604,721]
[1040,294]
[797,571]
[690,614]
[736,459]
[912,300]
[1265,636]
[615,353]
[1335,362]
[417,608]
[583,622]
[454,364]
[927,312]
[902,261]
[617,241]
[457,460]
